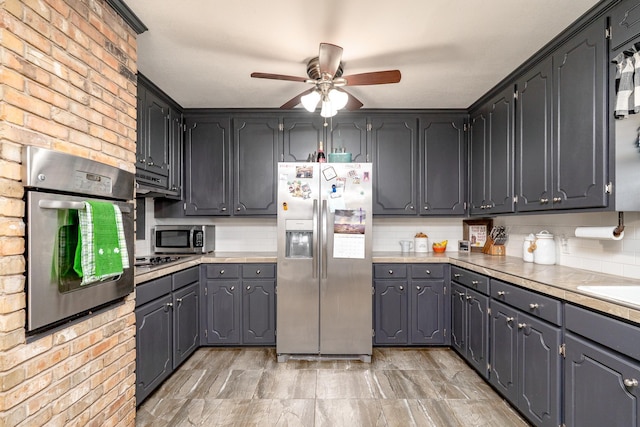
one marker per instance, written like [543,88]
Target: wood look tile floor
[400,387]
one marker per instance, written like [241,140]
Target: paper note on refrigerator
[348,233]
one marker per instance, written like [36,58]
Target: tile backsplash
[621,258]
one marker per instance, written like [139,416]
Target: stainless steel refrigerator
[324,307]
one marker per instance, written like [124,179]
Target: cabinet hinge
[489,367]
[608,189]
[369,127]
[205,291]
[465,127]
[607,33]
[465,206]
[373,290]
[205,333]
[184,206]
[281,127]
[445,290]
[562,351]
[515,199]
[515,94]
[489,311]
[373,332]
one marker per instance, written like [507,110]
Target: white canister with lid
[528,247]
[545,252]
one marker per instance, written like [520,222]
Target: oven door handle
[63,204]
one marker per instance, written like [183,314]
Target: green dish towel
[102,251]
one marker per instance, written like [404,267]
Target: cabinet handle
[257,271]
[457,275]
[426,208]
[501,293]
[142,160]
[418,287]
[233,288]
[557,199]
[390,271]
[168,305]
[469,297]
[179,300]
[427,271]
[151,163]
[238,208]
[509,319]
[401,287]
[410,208]
[533,306]
[248,287]
[522,325]
[630,382]
[543,201]
[224,209]
[221,272]
[474,282]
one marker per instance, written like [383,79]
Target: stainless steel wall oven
[57,186]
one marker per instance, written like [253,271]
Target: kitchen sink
[629,294]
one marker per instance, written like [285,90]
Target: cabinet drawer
[185,277]
[470,279]
[257,271]
[390,271]
[149,291]
[427,271]
[615,334]
[530,302]
[223,271]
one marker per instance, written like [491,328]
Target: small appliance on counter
[183,239]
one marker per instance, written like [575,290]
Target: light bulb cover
[310,101]
[338,98]
[327,109]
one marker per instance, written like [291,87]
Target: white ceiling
[450,52]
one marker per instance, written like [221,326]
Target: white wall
[620,258]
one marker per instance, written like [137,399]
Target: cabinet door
[223,312]
[153,345]
[625,22]
[443,163]
[258,312]
[500,146]
[175,152]
[141,120]
[458,318]
[478,157]
[595,393]
[477,324]
[504,350]
[256,148]
[391,312]
[539,371]
[302,136]
[533,139]
[348,131]
[207,160]
[427,312]
[186,317]
[393,142]
[157,134]
[580,118]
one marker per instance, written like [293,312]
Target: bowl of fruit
[439,247]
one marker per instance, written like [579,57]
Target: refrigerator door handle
[314,262]
[325,228]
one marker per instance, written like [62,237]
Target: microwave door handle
[314,250]
[65,204]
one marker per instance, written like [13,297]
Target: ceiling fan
[325,74]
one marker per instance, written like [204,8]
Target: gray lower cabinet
[602,370]
[240,304]
[470,318]
[167,327]
[411,304]
[525,363]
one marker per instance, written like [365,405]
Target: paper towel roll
[602,233]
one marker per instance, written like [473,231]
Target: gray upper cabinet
[348,131]
[302,136]
[176,149]
[393,147]
[533,139]
[580,117]
[207,160]
[442,159]
[256,147]
[625,23]
[492,155]
[154,147]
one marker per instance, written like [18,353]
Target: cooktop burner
[149,261]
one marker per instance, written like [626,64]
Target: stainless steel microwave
[183,239]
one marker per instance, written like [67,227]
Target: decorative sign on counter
[476,232]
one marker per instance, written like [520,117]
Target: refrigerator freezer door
[298,306]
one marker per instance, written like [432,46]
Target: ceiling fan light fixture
[338,99]
[327,109]
[310,101]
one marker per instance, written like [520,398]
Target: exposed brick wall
[67,82]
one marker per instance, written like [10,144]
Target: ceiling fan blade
[353,103]
[373,78]
[295,100]
[278,77]
[329,58]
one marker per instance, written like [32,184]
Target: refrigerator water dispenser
[299,238]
